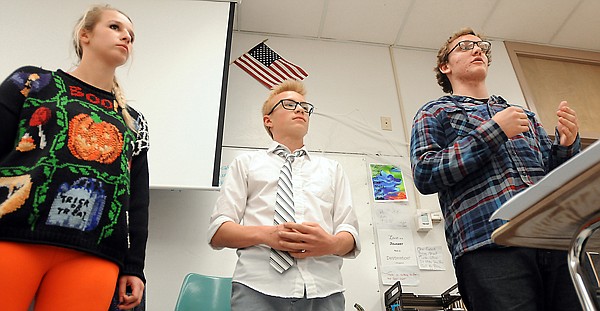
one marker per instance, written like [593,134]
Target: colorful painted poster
[388,183]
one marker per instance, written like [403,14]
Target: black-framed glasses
[467,45]
[290,104]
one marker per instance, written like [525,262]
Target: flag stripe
[293,68]
[261,68]
[248,67]
[257,72]
[255,76]
[296,67]
[275,71]
[285,71]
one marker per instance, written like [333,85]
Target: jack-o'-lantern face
[94,140]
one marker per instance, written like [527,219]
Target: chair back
[204,292]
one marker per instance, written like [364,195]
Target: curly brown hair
[442,57]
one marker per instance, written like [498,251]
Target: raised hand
[567,126]
[512,121]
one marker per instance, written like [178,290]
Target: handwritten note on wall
[407,275]
[387,215]
[430,258]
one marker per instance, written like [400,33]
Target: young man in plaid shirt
[477,151]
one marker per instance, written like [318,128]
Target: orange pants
[59,278]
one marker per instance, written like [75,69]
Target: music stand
[561,212]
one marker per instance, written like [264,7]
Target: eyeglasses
[290,104]
[467,45]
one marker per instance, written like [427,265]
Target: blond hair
[442,57]
[285,86]
[87,22]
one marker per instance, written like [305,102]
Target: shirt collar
[498,100]
[274,145]
[492,100]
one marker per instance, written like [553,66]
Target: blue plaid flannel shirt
[457,151]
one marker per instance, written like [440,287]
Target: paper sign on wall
[430,258]
[407,275]
[396,247]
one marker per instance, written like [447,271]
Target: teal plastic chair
[204,292]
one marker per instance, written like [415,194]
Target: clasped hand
[303,240]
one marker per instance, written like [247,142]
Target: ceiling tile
[375,21]
[531,21]
[581,29]
[425,23]
[431,22]
[288,17]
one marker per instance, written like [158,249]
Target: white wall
[351,85]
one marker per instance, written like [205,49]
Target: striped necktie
[284,206]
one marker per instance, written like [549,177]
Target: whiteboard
[176,77]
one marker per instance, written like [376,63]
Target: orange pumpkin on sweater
[94,140]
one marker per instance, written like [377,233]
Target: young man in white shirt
[325,228]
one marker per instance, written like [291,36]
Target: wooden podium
[561,211]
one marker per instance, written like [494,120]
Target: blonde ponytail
[122,103]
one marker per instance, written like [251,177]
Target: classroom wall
[351,85]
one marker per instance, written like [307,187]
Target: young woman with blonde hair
[74,178]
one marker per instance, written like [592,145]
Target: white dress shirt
[321,195]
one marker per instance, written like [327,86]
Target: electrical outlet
[386,123]
[436,217]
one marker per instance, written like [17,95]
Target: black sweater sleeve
[11,101]
[138,216]
[139,200]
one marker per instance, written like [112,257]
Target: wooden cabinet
[549,75]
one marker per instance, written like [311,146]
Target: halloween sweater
[72,173]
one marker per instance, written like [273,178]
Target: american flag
[268,67]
